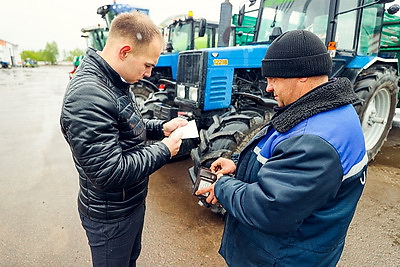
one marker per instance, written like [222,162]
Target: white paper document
[189,131]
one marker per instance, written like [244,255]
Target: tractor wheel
[141,93]
[148,105]
[227,135]
[148,113]
[377,88]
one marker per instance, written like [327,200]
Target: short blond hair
[135,28]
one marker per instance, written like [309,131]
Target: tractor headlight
[193,93]
[180,91]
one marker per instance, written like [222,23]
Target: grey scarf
[333,94]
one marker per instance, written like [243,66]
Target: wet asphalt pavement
[39,224]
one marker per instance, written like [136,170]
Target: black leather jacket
[103,126]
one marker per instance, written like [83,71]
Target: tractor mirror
[276,32]
[393,9]
[202,27]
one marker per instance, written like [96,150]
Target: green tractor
[96,36]
[390,41]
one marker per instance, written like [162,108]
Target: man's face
[138,65]
[285,90]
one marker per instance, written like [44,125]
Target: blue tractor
[109,12]
[223,90]
[184,33]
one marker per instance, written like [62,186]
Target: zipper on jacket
[123,194]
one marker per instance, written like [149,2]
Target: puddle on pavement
[14,77]
[390,152]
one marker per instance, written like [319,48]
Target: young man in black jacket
[102,124]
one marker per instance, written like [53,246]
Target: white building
[9,53]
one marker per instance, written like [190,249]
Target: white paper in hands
[188,131]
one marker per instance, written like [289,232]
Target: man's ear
[303,79]
[123,51]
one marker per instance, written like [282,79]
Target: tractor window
[295,19]
[245,34]
[319,26]
[97,39]
[232,37]
[291,15]
[110,16]
[272,17]
[346,23]
[205,41]
[180,37]
[370,31]
[390,31]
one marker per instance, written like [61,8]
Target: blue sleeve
[303,174]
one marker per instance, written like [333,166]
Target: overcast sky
[32,23]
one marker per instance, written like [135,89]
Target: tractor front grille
[189,67]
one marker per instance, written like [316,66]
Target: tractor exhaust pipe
[224,27]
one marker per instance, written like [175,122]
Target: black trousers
[115,244]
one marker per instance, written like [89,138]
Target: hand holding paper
[173,124]
[188,131]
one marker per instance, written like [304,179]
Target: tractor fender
[149,85]
[354,68]
[168,82]
[262,101]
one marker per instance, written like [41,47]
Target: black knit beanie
[297,53]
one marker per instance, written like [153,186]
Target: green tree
[74,53]
[50,53]
[30,54]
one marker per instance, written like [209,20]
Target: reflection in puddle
[14,76]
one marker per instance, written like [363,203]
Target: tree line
[50,54]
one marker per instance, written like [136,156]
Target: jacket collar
[106,69]
[333,94]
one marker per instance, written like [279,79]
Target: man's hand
[211,197]
[173,124]
[223,166]
[220,167]
[173,142]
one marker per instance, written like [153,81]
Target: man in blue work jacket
[293,191]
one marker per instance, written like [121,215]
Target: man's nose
[269,88]
[147,73]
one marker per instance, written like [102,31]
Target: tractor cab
[346,27]
[95,36]
[109,12]
[188,33]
